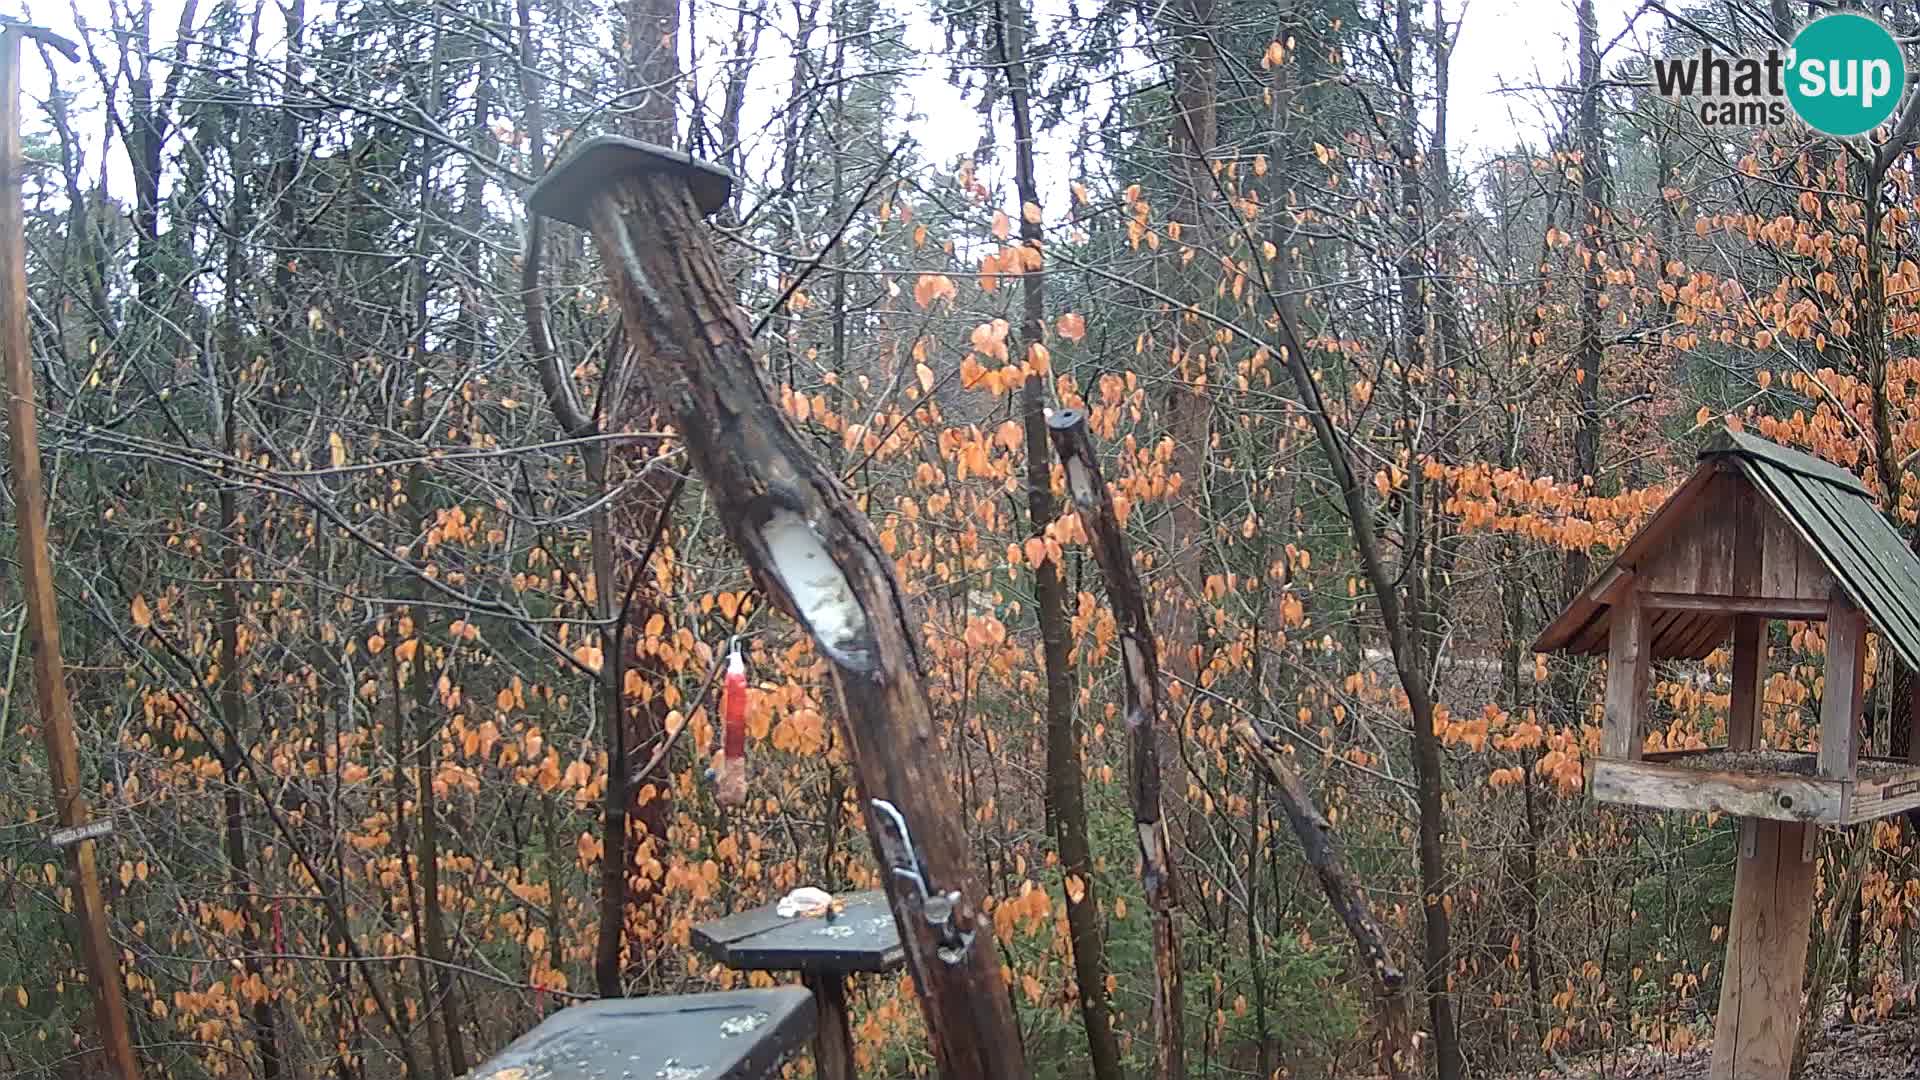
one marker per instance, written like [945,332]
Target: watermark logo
[1844,76]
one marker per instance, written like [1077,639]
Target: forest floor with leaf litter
[1883,1050]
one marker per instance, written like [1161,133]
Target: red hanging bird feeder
[731,777]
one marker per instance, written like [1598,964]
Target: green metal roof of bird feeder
[1829,509]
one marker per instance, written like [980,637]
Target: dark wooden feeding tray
[862,937]
[733,1035]
[824,949]
[1780,785]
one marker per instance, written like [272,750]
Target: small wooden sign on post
[92,830]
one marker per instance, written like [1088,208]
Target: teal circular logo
[1848,75]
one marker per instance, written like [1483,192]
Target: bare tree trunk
[653,69]
[1590,240]
[1415,351]
[1066,787]
[224,386]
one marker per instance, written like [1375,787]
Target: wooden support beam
[1776,607]
[1840,703]
[55,708]
[1749,682]
[818,559]
[833,1037]
[1629,659]
[1766,954]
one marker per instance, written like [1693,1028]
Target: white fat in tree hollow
[819,590]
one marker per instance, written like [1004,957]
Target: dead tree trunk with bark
[1397,1052]
[1146,710]
[816,556]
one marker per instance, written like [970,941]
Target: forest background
[392,611]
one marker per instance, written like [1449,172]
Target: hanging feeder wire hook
[936,907]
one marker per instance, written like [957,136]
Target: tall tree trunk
[1066,788]
[1194,134]
[232,697]
[1415,353]
[1589,243]
[653,69]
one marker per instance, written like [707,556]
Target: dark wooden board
[734,1035]
[862,937]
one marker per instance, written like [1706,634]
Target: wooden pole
[1766,952]
[817,557]
[36,578]
[833,1034]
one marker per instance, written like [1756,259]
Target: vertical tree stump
[814,553]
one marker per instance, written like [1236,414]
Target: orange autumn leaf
[932,287]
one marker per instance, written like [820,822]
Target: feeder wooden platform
[861,937]
[734,1035]
[1778,785]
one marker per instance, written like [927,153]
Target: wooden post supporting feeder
[813,552]
[1758,533]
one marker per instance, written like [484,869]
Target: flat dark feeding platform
[860,938]
[733,1035]
[570,186]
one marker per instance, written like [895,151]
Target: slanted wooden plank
[1774,796]
[1846,675]
[1782,457]
[1766,955]
[1749,682]
[1628,664]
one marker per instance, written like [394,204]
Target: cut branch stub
[818,556]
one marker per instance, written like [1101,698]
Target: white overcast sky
[1508,52]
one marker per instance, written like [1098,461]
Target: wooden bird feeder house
[1759,533]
